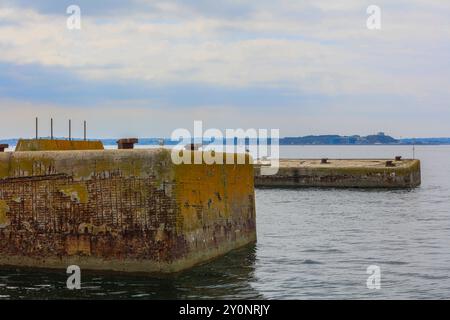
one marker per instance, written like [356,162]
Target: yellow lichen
[4,167]
[207,193]
[57,145]
[4,208]
[76,192]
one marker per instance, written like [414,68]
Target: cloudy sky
[144,68]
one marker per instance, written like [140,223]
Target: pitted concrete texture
[122,210]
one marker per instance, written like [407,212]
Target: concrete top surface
[87,152]
[340,163]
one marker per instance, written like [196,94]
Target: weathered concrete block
[334,173]
[122,210]
[57,145]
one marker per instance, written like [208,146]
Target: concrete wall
[122,210]
[353,175]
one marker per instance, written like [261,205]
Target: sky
[143,68]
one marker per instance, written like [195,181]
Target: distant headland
[379,138]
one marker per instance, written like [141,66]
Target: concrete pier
[120,210]
[334,173]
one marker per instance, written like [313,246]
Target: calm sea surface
[312,243]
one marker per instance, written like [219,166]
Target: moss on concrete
[77,192]
[4,208]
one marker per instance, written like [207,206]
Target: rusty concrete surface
[121,210]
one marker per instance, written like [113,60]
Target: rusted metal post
[194,146]
[127,143]
[37,124]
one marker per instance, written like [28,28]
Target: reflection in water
[228,277]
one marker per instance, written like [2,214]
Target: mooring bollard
[390,163]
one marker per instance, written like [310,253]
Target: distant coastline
[376,139]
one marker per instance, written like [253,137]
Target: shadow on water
[228,277]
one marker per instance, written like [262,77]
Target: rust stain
[78,245]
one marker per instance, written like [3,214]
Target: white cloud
[333,53]
[312,47]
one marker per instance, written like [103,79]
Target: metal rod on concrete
[37,128]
